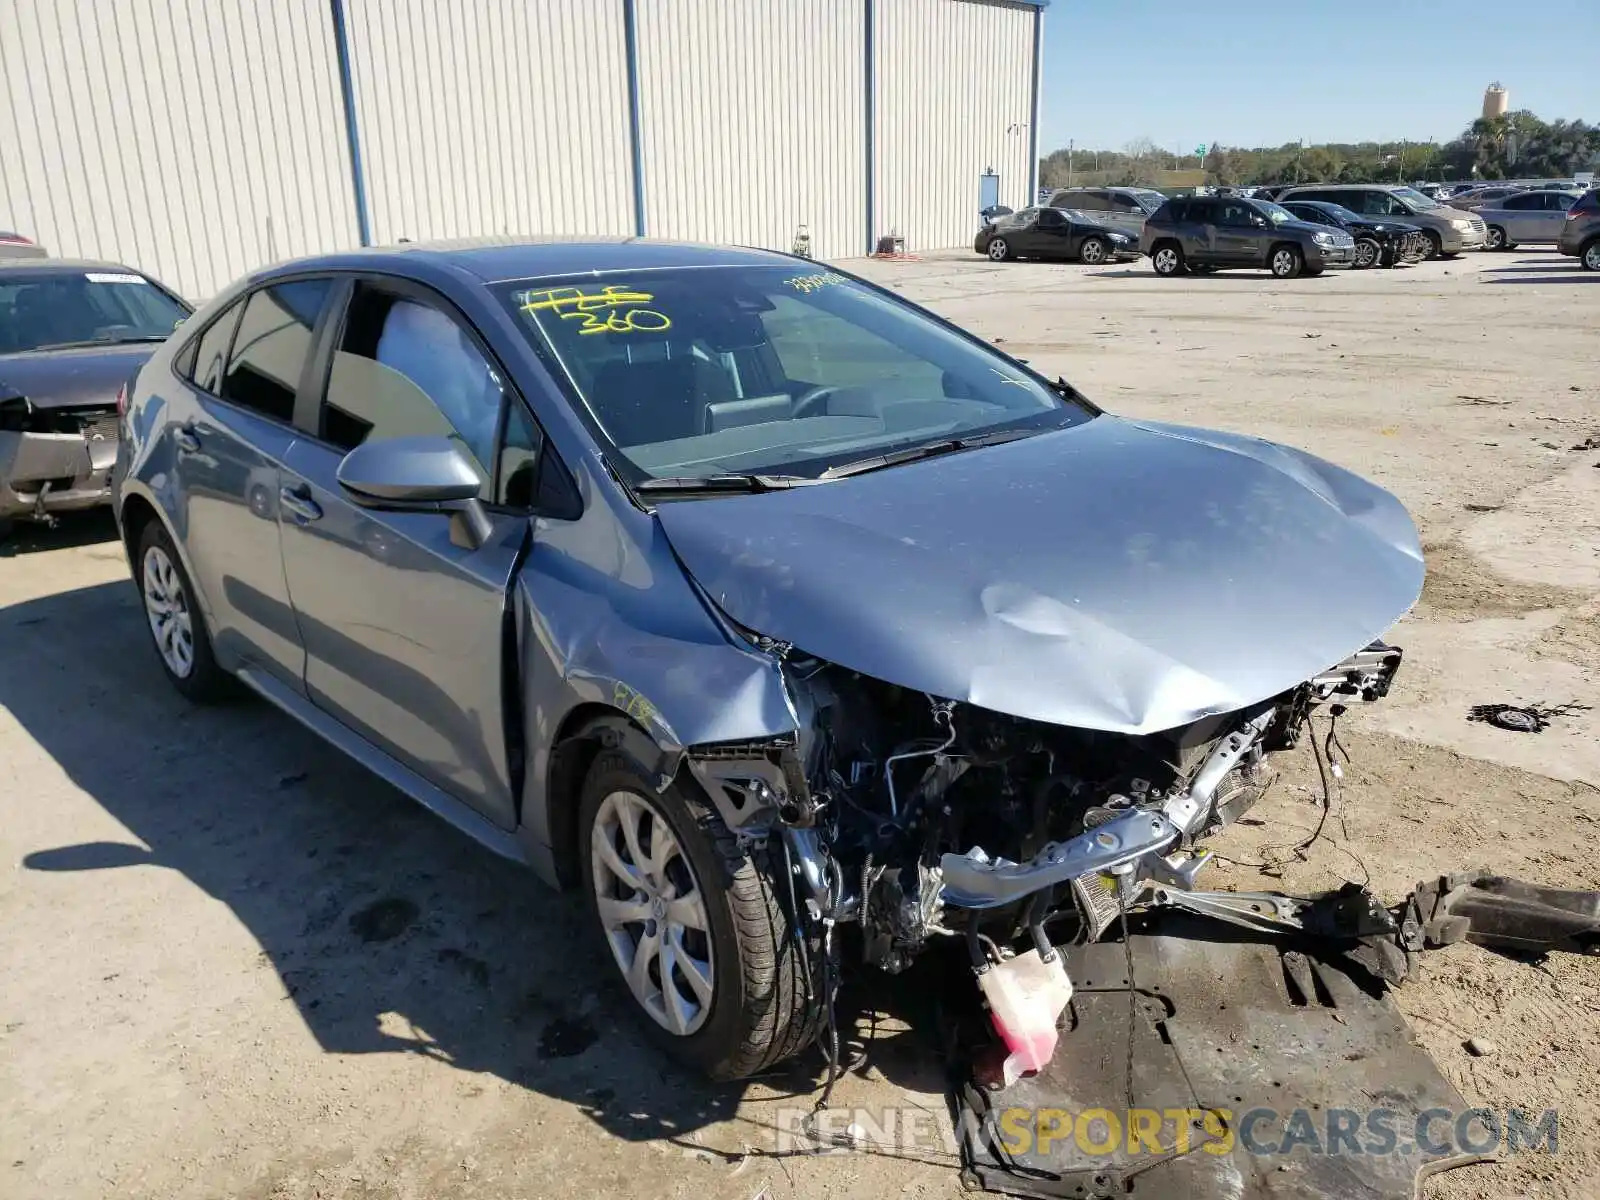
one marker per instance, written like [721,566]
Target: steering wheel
[814,398]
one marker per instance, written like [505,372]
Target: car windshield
[1414,198]
[786,369]
[1150,201]
[1339,212]
[56,309]
[1275,213]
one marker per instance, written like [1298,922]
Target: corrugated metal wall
[954,97]
[754,121]
[196,139]
[492,116]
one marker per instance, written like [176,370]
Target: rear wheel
[999,249]
[1094,251]
[1167,258]
[695,925]
[1368,252]
[1589,256]
[176,625]
[1286,261]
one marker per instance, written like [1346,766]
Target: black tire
[1370,250]
[1094,251]
[205,682]
[8,526]
[759,1015]
[998,250]
[1285,261]
[1435,245]
[1495,239]
[1168,260]
[1589,255]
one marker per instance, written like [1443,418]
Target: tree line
[1516,145]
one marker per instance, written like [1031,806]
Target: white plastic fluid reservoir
[1026,996]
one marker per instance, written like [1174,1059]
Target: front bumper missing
[44,473]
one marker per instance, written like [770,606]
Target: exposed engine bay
[918,817]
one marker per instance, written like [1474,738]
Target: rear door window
[1521,203]
[1090,201]
[211,355]
[271,346]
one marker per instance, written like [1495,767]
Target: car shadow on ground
[390,931]
[70,531]
[1543,275]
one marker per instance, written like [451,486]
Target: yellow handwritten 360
[613,309]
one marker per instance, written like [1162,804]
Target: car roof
[63,266]
[493,260]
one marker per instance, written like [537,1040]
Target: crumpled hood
[72,378]
[1116,575]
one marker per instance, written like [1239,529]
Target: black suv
[1378,242]
[1204,233]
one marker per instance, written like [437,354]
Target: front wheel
[1368,252]
[1435,245]
[1094,251]
[695,925]
[1286,262]
[1167,259]
[1495,239]
[1589,256]
[999,250]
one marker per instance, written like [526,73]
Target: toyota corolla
[745,596]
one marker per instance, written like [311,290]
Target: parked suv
[1203,233]
[1580,232]
[1532,216]
[1449,230]
[1123,208]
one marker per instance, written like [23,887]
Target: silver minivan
[1449,230]
[1535,216]
[1122,208]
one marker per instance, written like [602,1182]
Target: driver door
[401,616]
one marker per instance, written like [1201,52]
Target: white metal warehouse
[199,139]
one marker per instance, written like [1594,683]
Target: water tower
[1495,102]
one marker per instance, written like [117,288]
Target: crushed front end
[54,459]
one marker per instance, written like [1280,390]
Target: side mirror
[419,474]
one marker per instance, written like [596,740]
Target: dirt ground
[235,965]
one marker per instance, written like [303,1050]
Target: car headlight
[1322,239]
[1462,225]
[1121,239]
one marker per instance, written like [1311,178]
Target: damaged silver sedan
[71,334]
[767,608]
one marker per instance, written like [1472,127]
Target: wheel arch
[134,513]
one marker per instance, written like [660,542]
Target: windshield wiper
[927,450]
[723,483]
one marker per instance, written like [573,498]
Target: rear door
[230,445]
[1197,228]
[1125,213]
[403,619]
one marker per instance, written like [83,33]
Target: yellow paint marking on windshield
[615,308]
[812,283]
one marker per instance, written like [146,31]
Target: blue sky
[1183,72]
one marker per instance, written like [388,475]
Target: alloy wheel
[166,607]
[653,912]
[1591,256]
[1166,261]
[1283,263]
[998,250]
[1093,252]
[1366,253]
[1495,239]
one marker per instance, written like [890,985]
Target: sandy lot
[232,964]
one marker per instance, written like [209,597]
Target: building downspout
[1033,124]
[630,36]
[870,15]
[347,89]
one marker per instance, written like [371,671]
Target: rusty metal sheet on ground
[1257,1073]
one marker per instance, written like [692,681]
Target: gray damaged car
[71,335]
[752,600]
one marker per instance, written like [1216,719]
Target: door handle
[187,442]
[298,501]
